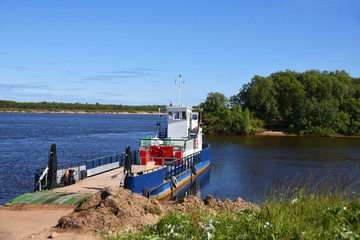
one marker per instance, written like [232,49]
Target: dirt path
[35,222]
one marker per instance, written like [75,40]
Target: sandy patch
[34,222]
[275,133]
[114,209]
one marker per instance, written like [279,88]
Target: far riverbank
[76,112]
[286,134]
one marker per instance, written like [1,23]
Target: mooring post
[127,167]
[128,159]
[52,164]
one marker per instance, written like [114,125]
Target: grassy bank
[303,217]
[301,208]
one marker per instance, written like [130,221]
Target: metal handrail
[95,159]
[132,174]
[175,169]
[158,157]
[186,163]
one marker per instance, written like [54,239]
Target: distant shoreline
[286,134]
[79,112]
[275,133]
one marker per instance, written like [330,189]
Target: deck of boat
[74,194]
[101,181]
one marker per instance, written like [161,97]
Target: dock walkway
[99,182]
[74,194]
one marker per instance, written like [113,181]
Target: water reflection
[246,166]
[194,187]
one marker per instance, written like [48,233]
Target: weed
[327,209]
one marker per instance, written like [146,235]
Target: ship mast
[179,83]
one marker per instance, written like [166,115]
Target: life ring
[193,169]
[174,181]
[146,193]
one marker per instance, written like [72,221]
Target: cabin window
[176,115]
[183,115]
[170,116]
[195,117]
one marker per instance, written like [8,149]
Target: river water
[240,165]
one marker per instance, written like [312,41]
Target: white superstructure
[181,130]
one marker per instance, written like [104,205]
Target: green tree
[313,102]
[259,96]
[214,101]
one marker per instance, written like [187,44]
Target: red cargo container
[159,161]
[178,155]
[144,157]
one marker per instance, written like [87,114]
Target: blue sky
[129,52]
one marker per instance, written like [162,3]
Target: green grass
[304,217]
[322,209]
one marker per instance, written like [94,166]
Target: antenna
[179,83]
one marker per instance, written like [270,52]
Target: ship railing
[79,174]
[43,182]
[135,159]
[93,163]
[175,167]
[150,159]
[145,143]
[181,165]
[103,164]
[138,173]
[152,169]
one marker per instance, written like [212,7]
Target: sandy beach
[275,133]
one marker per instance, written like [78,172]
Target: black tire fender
[146,193]
[174,181]
[193,169]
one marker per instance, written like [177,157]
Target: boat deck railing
[184,144]
[181,165]
[177,166]
[93,163]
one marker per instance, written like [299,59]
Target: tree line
[75,107]
[309,103]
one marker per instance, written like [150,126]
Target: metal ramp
[49,197]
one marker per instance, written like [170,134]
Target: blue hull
[158,184]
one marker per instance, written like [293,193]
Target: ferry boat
[162,166]
[174,157]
